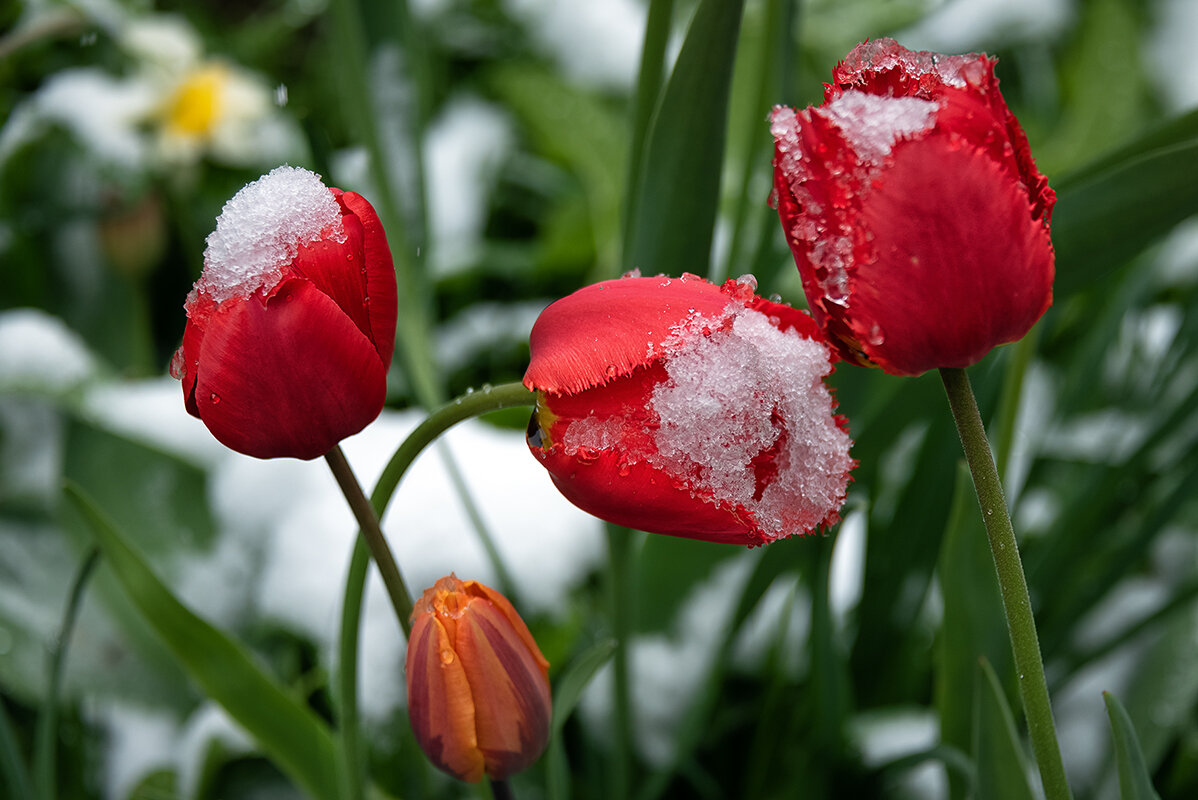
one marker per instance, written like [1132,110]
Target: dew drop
[349,256]
[624,469]
[748,280]
[611,371]
[214,397]
[775,298]
[876,335]
[448,656]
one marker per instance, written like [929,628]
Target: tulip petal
[290,375]
[381,297]
[440,702]
[977,268]
[609,329]
[510,690]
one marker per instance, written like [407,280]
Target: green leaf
[974,624]
[1001,771]
[294,737]
[1114,208]
[1134,780]
[576,678]
[674,210]
[569,691]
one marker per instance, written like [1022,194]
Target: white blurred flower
[174,107]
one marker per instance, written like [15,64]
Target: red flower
[914,210]
[291,326]
[680,407]
[478,686]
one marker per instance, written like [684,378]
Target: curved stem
[372,532]
[44,758]
[471,405]
[1021,624]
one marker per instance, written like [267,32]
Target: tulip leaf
[1117,206]
[677,193]
[290,733]
[1134,780]
[1001,771]
[974,623]
[576,678]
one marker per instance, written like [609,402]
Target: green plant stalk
[352,763]
[501,790]
[1021,624]
[1012,394]
[351,758]
[372,532]
[12,764]
[619,587]
[45,751]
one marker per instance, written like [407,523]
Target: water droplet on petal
[448,656]
[214,397]
[611,371]
[876,335]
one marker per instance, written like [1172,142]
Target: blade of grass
[1001,771]
[12,764]
[295,739]
[46,749]
[1134,781]
[672,218]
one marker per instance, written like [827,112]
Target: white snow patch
[961,26]
[260,230]
[39,353]
[594,43]
[873,124]
[743,391]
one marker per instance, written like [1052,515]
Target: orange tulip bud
[478,686]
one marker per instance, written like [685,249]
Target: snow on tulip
[676,406]
[914,210]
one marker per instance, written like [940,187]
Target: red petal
[608,329]
[961,264]
[440,701]
[641,497]
[289,376]
[380,274]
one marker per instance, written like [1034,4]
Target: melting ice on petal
[873,124]
[261,229]
[744,392]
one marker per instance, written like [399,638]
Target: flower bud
[914,210]
[291,326]
[680,407]
[478,686]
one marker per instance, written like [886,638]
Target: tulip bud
[291,326]
[478,686]
[914,210]
[680,407]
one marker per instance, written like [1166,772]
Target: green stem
[372,532]
[12,765]
[1012,393]
[352,763]
[619,550]
[427,432]
[500,790]
[1021,624]
[45,751]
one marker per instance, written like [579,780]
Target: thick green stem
[1021,624]
[372,532]
[352,760]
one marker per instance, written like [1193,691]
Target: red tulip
[914,210]
[478,686]
[680,407]
[291,327]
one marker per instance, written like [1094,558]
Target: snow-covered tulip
[914,210]
[676,406]
[291,326]
[478,686]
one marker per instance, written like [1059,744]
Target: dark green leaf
[1116,207]
[1001,770]
[576,678]
[674,212]
[295,738]
[1134,780]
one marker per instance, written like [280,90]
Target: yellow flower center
[196,105]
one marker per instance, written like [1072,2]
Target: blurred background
[496,138]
